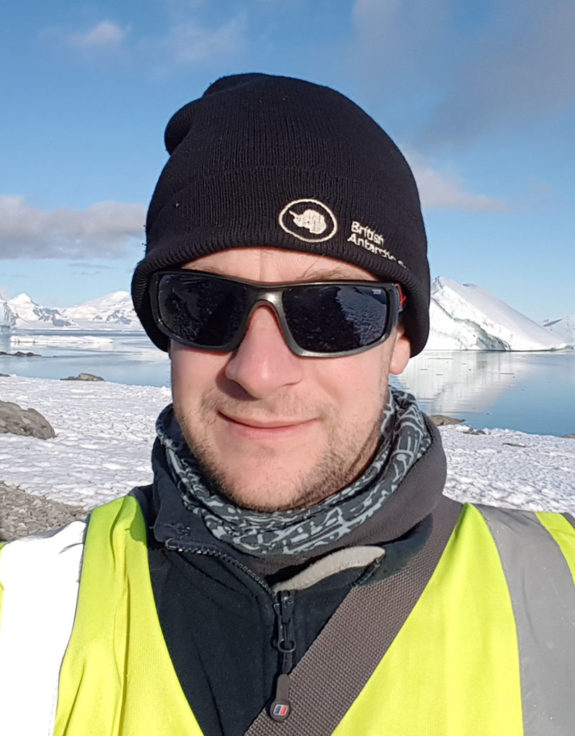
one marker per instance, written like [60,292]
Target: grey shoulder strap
[543,600]
[355,640]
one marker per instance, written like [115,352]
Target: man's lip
[262,424]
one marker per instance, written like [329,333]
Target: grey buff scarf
[404,439]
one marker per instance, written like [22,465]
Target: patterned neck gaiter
[404,439]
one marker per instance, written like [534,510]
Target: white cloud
[102,230]
[447,190]
[190,42]
[439,190]
[512,65]
[186,38]
[106,33]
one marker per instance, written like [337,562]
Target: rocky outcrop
[27,422]
[83,377]
[440,420]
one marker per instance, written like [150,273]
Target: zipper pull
[281,706]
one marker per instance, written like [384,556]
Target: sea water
[121,357]
[532,392]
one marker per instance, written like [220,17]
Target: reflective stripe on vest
[543,597]
[465,663]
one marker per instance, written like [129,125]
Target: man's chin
[266,497]
[276,489]
[260,480]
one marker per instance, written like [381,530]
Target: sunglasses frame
[271,294]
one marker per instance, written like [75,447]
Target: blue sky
[479,95]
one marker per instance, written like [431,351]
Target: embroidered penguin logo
[309,220]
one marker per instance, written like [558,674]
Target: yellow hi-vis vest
[488,649]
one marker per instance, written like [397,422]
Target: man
[294,568]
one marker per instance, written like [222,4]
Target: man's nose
[263,362]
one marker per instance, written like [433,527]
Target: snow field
[105,433]
[104,438]
[504,467]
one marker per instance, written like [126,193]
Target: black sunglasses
[318,319]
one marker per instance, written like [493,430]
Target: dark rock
[83,377]
[569,436]
[474,431]
[27,422]
[441,420]
[21,354]
[513,444]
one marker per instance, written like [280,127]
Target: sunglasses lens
[338,318]
[201,311]
[209,312]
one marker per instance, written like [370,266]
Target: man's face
[274,430]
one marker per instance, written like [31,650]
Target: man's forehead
[277,264]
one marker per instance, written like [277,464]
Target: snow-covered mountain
[468,317]
[26,314]
[111,312]
[563,328]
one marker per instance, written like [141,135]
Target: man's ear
[401,352]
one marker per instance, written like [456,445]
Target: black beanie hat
[277,162]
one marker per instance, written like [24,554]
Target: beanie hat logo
[309,220]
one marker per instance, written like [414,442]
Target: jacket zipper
[280,707]
[283,607]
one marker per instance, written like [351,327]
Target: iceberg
[468,317]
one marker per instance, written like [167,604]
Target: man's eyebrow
[333,275]
[329,276]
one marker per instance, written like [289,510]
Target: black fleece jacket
[223,614]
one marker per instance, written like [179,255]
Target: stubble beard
[344,460]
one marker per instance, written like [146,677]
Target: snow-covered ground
[103,443]
[105,433]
